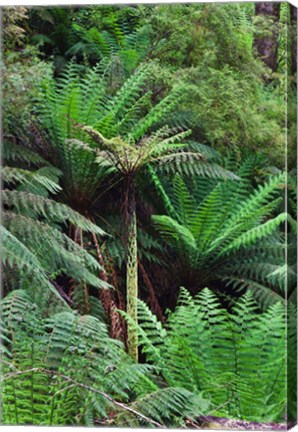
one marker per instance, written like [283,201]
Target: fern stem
[15,402]
[32,383]
[132,269]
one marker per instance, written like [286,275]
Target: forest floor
[210,422]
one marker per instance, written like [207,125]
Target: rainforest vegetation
[149,215]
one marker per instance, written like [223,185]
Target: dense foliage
[149,215]
[211,352]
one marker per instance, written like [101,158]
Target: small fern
[237,359]
[66,370]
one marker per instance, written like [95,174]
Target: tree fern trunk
[152,299]
[107,298]
[132,268]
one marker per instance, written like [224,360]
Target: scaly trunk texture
[107,298]
[152,299]
[132,268]
[266,42]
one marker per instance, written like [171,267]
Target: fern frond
[41,177]
[158,112]
[16,254]
[56,250]
[191,164]
[220,354]
[255,234]
[167,405]
[49,209]
[13,152]
[262,293]
[178,236]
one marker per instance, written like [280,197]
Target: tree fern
[115,136]
[33,243]
[218,237]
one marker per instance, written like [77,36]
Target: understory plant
[237,360]
[64,369]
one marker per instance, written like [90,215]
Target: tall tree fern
[97,135]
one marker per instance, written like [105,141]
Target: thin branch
[86,387]
[217,408]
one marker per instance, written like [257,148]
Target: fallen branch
[84,386]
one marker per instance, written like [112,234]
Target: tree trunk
[152,299]
[107,298]
[132,269]
[266,40]
[293,38]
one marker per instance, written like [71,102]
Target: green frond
[129,93]
[17,255]
[167,407]
[149,247]
[50,210]
[209,216]
[151,333]
[56,250]
[16,153]
[156,148]
[260,197]
[255,234]
[17,308]
[42,177]
[190,163]
[178,236]
[158,112]
[236,359]
[209,153]
[161,192]
[264,295]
